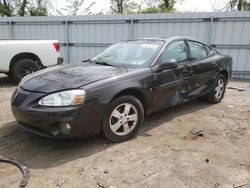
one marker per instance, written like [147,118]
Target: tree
[167,4]
[75,7]
[132,7]
[6,7]
[117,6]
[22,8]
[159,6]
[231,5]
[38,11]
[147,6]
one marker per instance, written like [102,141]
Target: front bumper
[55,122]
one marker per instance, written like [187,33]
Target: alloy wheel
[123,119]
[219,89]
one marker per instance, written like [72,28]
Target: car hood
[68,77]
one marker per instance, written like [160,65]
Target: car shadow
[43,153]
[6,81]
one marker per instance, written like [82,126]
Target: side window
[197,50]
[177,50]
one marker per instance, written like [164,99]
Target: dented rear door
[202,68]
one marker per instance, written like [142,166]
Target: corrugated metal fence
[82,37]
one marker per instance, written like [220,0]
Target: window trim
[165,48]
[190,50]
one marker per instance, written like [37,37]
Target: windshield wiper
[87,60]
[102,63]
[99,62]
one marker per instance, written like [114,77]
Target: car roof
[168,39]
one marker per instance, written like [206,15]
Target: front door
[169,86]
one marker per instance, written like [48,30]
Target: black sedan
[111,93]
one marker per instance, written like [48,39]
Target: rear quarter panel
[225,64]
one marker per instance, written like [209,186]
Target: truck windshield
[134,54]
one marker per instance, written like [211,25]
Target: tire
[218,90]
[121,124]
[23,67]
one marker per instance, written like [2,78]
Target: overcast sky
[185,6]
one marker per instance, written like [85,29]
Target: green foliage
[167,4]
[240,5]
[152,6]
[162,4]
[6,7]
[152,10]
[38,11]
[118,6]
[5,10]
[246,5]
[22,8]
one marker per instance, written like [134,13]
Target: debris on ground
[240,185]
[22,167]
[207,160]
[102,186]
[60,182]
[197,132]
[230,106]
[242,164]
[236,88]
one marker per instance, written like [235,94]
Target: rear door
[202,67]
[169,85]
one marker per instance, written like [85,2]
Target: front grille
[18,100]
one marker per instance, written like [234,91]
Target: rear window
[197,50]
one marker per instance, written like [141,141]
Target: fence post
[10,30]
[131,29]
[210,31]
[67,40]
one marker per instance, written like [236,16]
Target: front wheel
[218,90]
[123,119]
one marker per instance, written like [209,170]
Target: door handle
[185,71]
[214,64]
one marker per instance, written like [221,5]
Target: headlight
[64,98]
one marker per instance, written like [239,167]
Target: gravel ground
[164,154]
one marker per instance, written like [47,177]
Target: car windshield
[133,54]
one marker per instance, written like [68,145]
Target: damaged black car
[111,93]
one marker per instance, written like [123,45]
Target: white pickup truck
[21,57]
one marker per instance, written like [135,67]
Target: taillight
[56,46]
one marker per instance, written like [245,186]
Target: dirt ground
[164,154]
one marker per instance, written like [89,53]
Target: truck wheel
[23,67]
[123,119]
[218,90]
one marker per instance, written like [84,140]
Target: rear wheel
[218,90]
[23,67]
[123,119]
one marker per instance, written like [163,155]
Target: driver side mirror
[171,64]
